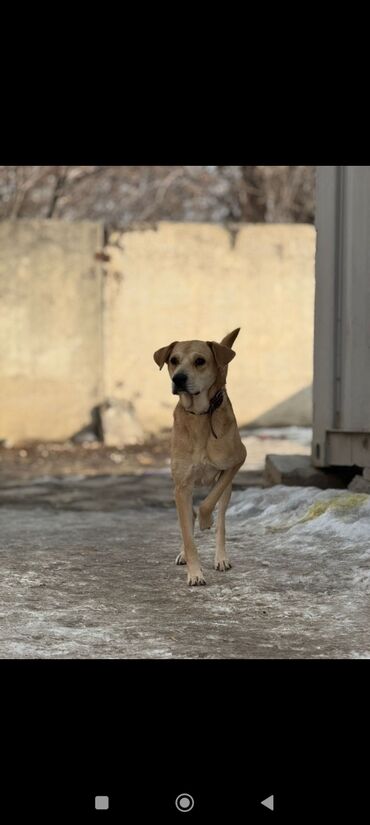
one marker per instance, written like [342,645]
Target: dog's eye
[174,361]
[199,362]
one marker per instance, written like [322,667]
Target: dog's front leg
[207,506]
[184,504]
[181,558]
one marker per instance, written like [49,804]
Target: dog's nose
[179,379]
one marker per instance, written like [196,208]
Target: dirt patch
[35,459]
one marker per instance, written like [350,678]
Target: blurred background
[102,265]
[122,195]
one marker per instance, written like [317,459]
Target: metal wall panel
[341,387]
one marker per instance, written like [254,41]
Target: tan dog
[206,445]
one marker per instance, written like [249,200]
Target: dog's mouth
[177,390]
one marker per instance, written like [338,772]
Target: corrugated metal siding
[341,388]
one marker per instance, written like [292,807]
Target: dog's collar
[214,403]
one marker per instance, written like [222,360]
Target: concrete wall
[74,332]
[50,328]
[185,281]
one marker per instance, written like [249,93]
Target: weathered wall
[50,327]
[73,334]
[186,281]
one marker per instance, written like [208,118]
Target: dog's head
[195,366]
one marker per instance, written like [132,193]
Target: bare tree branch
[121,196]
[60,179]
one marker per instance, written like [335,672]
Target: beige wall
[50,328]
[73,333]
[185,281]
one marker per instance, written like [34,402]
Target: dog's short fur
[206,446]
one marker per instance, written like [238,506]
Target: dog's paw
[222,564]
[205,519]
[180,559]
[195,580]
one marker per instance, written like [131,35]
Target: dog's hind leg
[221,559]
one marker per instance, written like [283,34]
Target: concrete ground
[88,572]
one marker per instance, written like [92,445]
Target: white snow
[304,511]
[301,435]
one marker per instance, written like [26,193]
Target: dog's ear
[161,356]
[222,354]
[230,338]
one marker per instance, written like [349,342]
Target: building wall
[341,426]
[50,328]
[74,331]
[186,281]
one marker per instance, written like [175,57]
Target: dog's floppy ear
[222,354]
[162,355]
[230,338]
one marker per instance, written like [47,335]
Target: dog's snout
[179,379]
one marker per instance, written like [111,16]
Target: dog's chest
[203,471]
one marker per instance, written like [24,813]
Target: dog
[206,447]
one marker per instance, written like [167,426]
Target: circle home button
[184,802]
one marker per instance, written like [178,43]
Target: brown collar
[215,402]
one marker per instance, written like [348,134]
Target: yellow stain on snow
[339,504]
